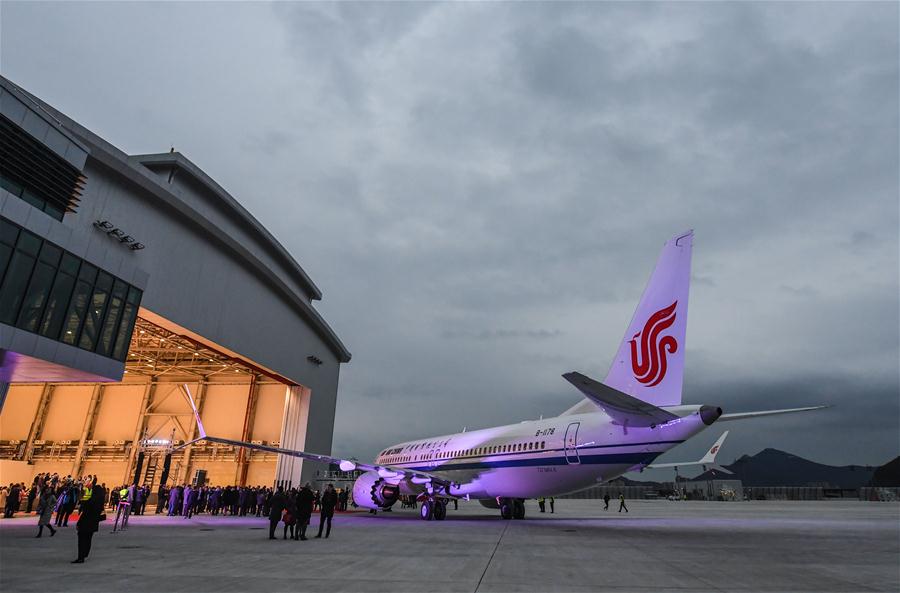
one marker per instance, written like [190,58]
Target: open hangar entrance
[100,428]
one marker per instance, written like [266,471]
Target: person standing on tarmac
[46,504]
[161,495]
[541,503]
[329,501]
[304,510]
[290,515]
[276,506]
[606,501]
[552,502]
[622,503]
[92,503]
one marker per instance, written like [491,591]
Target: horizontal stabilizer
[621,407]
[745,415]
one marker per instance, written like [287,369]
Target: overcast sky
[481,190]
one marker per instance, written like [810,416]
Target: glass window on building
[96,309]
[126,325]
[18,274]
[46,290]
[60,293]
[75,315]
[39,287]
[113,316]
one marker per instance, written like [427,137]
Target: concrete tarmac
[658,546]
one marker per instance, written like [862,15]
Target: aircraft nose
[710,414]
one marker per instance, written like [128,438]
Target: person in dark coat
[191,496]
[276,506]
[305,500]
[93,500]
[32,494]
[62,501]
[214,495]
[606,501]
[260,501]
[73,492]
[161,496]
[290,515]
[173,500]
[329,501]
[12,501]
[46,504]
[186,501]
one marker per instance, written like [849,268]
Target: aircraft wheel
[440,510]
[506,510]
[426,511]
[518,510]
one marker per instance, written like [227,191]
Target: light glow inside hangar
[76,428]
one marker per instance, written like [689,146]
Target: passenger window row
[475,452]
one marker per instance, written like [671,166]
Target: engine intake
[371,491]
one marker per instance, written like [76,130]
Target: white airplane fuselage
[546,457]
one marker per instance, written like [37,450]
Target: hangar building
[124,278]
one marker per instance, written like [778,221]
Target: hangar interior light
[159,352]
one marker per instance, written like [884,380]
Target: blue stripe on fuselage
[607,459]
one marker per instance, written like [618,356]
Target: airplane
[623,423]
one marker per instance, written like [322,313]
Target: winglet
[708,461]
[710,456]
[190,398]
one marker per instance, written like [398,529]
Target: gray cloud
[482,171]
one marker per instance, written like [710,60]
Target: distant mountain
[888,475]
[771,467]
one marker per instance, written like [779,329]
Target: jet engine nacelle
[371,491]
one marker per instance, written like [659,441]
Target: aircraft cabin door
[572,443]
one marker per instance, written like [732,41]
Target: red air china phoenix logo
[649,365]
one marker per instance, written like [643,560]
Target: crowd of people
[51,494]
[186,500]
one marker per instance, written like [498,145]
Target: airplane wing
[385,471]
[708,460]
[620,406]
[744,415]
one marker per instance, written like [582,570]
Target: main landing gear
[433,508]
[512,508]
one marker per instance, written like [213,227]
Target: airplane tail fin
[650,362]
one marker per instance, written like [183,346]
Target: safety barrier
[123,511]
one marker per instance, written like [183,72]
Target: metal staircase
[150,474]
